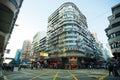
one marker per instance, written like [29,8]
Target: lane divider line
[56,75]
[93,76]
[5,78]
[73,75]
[39,75]
[103,77]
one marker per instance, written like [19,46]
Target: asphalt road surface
[56,74]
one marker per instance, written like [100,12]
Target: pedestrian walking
[38,64]
[19,67]
[41,65]
[115,68]
[110,68]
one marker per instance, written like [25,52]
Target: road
[56,74]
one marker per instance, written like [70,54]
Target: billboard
[43,54]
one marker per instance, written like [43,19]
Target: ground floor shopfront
[70,62]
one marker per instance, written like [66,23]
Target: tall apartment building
[95,36]
[99,45]
[42,45]
[68,35]
[38,44]
[26,48]
[113,31]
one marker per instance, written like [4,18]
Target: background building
[99,47]
[95,36]
[18,56]
[26,48]
[42,45]
[113,31]
[38,44]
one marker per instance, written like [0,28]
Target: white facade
[113,31]
[68,32]
[36,43]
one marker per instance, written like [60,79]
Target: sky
[33,17]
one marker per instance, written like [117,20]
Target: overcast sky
[33,17]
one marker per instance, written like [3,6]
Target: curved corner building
[9,10]
[68,37]
[113,31]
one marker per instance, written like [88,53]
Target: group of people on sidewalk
[7,67]
[114,68]
[35,65]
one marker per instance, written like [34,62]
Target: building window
[116,24]
[113,35]
[117,15]
[115,45]
[117,33]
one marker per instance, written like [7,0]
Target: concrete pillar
[1,72]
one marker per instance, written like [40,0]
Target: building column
[1,71]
